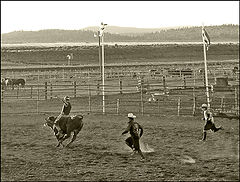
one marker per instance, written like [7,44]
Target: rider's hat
[204,105]
[66,98]
[130,115]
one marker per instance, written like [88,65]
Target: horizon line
[169,27]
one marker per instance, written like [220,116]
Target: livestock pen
[167,106]
[145,94]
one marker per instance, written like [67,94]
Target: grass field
[99,153]
[83,55]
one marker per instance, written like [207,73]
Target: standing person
[133,140]
[66,108]
[209,121]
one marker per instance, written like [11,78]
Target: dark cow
[18,82]
[13,82]
[67,125]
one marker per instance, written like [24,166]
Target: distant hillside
[223,33]
[131,31]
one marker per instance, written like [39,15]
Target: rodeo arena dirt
[165,97]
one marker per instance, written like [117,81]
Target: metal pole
[101,33]
[99,54]
[205,66]
[103,94]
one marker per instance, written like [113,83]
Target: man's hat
[130,115]
[204,105]
[66,98]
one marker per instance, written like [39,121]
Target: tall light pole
[99,53]
[101,34]
[205,65]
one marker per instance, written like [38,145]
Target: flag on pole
[206,38]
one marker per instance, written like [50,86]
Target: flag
[206,38]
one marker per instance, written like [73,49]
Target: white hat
[130,115]
[204,105]
[66,98]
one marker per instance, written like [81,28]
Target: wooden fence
[123,96]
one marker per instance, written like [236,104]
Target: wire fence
[144,90]
[165,96]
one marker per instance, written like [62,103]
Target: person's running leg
[137,147]
[129,142]
[214,128]
[204,135]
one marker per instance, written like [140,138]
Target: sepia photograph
[120,91]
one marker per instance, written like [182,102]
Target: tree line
[221,33]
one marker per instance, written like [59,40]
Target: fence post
[120,85]
[179,101]
[75,89]
[164,85]
[38,96]
[142,109]
[51,91]
[184,82]
[17,92]
[222,104]
[194,105]
[2,95]
[31,92]
[194,78]
[118,106]
[158,106]
[45,90]
[89,98]
[37,106]
[98,89]
[236,101]
[38,76]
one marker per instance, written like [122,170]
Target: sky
[74,15]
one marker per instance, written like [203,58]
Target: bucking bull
[67,125]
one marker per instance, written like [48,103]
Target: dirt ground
[170,143]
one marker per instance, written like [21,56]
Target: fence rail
[139,91]
[178,101]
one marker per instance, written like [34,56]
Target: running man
[209,122]
[66,108]
[133,140]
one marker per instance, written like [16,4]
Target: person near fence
[136,131]
[66,108]
[209,122]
